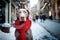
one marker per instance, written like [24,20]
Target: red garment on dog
[23,28]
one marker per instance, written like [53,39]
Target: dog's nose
[22,18]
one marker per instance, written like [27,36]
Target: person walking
[40,16]
[43,17]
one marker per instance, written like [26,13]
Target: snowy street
[38,32]
[51,26]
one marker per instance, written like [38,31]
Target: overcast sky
[33,2]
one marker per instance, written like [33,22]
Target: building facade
[51,8]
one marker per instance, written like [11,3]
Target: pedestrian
[50,17]
[22,23]
[37,16]
[43,17]
[40,16]
[34,19]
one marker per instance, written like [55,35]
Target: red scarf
[22,28]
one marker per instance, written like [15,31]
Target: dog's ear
[28,14]
[17,15]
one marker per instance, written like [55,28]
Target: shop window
[2,12]
[2,17]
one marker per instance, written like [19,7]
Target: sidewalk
[57,21]
[40,33]
[51,26]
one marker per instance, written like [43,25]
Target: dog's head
[22,14]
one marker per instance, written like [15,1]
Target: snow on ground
[8,36]
[51,26]
[39,33]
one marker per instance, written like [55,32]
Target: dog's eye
[24,11]
[19,12]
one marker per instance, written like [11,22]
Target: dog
[22,24]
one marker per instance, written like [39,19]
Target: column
[15,14]
[6,13]
[56,10]
[10,12]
